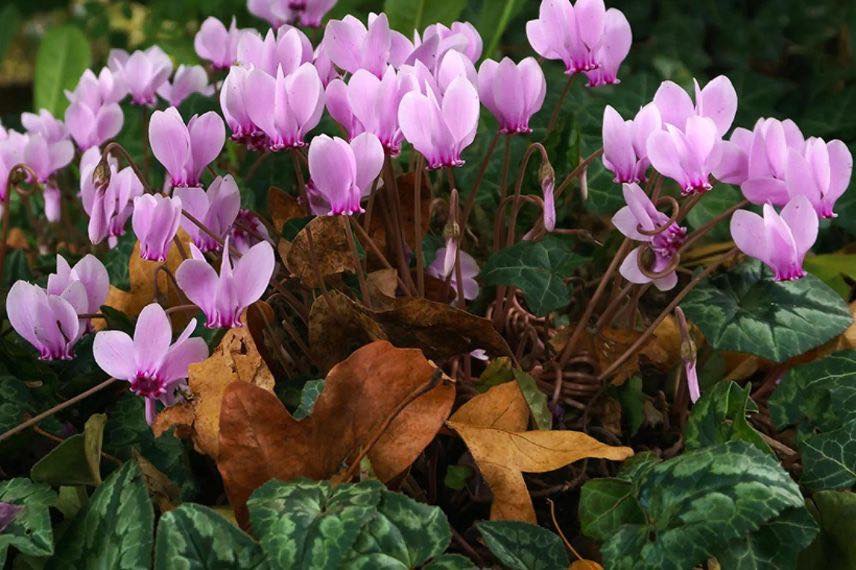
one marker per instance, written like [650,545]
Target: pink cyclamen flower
[638,220]
[187,81]
[286,107]
[48,322]
[274,12]
[89,272]
[613,49]
[216,44]
[155,221]
[757,160]
[11,154]
[625,143]
[108,208]
[352,46]
[717,101]
[438,39]
[443,267]
[153,365]
[441,129]
[234,102]
[52,129]
[45,158]
[142,72]
[512,92]
[369,104]
[223,298]
[570,33]
[780,241]
[241,239]
[686,156]
[311,12]
[94,115]
[185,150]
[287,48]
[821,173]
[216,209]
[341,173]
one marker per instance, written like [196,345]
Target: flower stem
[555,115]
[417,226]
[471,198]
[358,265]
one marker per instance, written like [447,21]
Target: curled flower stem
[647,272]
[7,208]
[119,149]
[676,212]
[59,407]
[643,338]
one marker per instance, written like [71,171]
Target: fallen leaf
[493,427]
[164,492]
[260,440]
[406,193]
[338,326]
[282,207]
[585,565]
[235,360]
[330,253]
[383,284]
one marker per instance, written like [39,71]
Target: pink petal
[630,269]
[207,136]
[152,337]
[719,102]
[253,272]
[170,141]
[674,104]
[368,154]
[762,190]
[198,280]
[802,220]
[112,351]
[460,110]
[841,168]
[749,234]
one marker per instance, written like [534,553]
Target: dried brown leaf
[331,248]
[283,207]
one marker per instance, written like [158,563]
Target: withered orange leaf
[493,427]
[330,253]
[260,440]
[283,207]
[235,360]
[585,565]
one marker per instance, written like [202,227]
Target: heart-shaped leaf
[30,528]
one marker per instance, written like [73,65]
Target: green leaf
[834,548]
[450,562]
[456,476]
[402,534]
[832,269]
[63,55]
[30,531]
[819,398]
[696,503]
[536,268]
[308,524]
[15,401]
[193,536]
[498,371]
[409,15]
[720,416]
[311,390]
[523,546]
[774,546]
[114,530]
[745,310]
[11,18]
[606,504]
[493,19]
[632,400]
[75,461]
[712,204]
[536,399]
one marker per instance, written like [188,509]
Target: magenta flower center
[667,243]
[148,385]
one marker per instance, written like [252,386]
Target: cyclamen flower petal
[91,128]
[89,272]
[187,80]
[717,101]
[780,241]
[216,209]
[142,72]
[641,213]
[52,129]
[352,46]
[46,157]
[234,102]
[241,239]
[11,154]
[625,152]
[185,150]
[48,322]
[441,130]
[512,92]
[288,48]
[153,366]
[285,107]
[214,43]
[443,267]
[573,34]
[341,173]
[687,156]
[614,47]
[110,207]
[224,297]
[155,222]
[821,174]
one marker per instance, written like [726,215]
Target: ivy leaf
[450,562]
[745,310]
[774,546]
[720,416]
[30,531]
[606,504]
[308,524]
[194,536]
[114,530]
[524,546]
[820,400]
[63,55]
[536,268]
[15,401]
[409,15]
[75,461]
[535,399]
[693,504]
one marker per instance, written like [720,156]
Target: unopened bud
[101,175]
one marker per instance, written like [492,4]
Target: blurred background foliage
[787,58]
